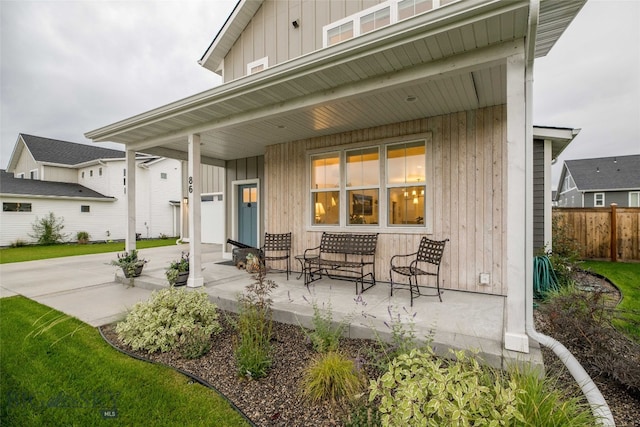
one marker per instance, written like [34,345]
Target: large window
[386,185]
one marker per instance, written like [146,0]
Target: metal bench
[343,256]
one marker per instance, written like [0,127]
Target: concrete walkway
[88,288]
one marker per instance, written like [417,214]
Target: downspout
[597,402]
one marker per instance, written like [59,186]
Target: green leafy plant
[565,253]
[326,334]
[422,389]
[82,237]
[194,342]
[130,263]
[363,415]
[331,376]
[158,324]
[255,328]
[18,243]
[48,230]
[176,267]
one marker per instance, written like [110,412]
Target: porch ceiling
[449,60]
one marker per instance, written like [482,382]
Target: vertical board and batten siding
[539,195]
[469,166]
[270,32]
[591,229]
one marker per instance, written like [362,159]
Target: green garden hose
[544,278]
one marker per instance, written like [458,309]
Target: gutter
[597,402]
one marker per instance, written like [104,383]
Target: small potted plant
[82,237]
[178,271]
[130,263]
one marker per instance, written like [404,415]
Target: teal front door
[248,214]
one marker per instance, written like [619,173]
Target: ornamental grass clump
[333,377]
[325,336]
[255,328]
[420,389]
[159,323]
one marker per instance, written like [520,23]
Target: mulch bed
[276,399]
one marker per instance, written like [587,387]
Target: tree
[48,230]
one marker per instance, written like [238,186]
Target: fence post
[614,233]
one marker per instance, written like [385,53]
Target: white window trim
[262,61]
[34,172]
[383,225]
[20,175]
[595,200]
[356,17]
[637,194]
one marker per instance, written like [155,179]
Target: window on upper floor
[163,175]
[382,185]
[20,175]
[85,208]
[91,172]
[634,199]
[258,65]
[16,207]
[99,171]
[598,200]
[33,174]
[379,16]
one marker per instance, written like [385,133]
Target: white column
[194,191]
[515,337]
[130,238]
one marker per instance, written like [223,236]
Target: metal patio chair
[420,263]
[277,247]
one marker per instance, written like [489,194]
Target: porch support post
[194,191]
[518,229]
[130,177]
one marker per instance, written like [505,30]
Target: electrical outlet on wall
[485,278]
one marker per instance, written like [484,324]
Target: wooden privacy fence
[611,232]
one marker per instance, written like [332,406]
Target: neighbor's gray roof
[605,173]
[9,185]
[66,153]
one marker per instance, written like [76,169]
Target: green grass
[57,370]
[626,276]
[31,253]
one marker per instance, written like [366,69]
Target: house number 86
[190,184]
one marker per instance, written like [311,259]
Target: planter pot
[136,273]
[182,278]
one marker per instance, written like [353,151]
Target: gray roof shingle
[66,153]
[33,187]
[606,173]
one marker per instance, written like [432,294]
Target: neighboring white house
[86,185]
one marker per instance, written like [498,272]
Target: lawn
[31,253]
[626,276]
[57,370]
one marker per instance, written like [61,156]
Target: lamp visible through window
[320,212]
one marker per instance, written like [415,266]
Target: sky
[69,67]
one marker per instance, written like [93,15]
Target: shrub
[194,342]
[253,351]
[583,322]
[565,253]
[362,415]
[543,401]
[159,323]
[18,243]
[48,230]
[331,376]
[325,335]
[421,389]
[82,237]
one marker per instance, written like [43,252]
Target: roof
[9,185]
[49,150]
[451,59]
[560,137]
[605,173]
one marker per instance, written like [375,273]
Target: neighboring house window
[16,207]
[258,65]
[163,175]
[91,172]
[33,174]
[82,174]
[634,199]
[598,199]
[383,185]
[20,176]
[85,208]
[100,171]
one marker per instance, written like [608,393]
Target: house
[86,185]
[599,182]
[401,117]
